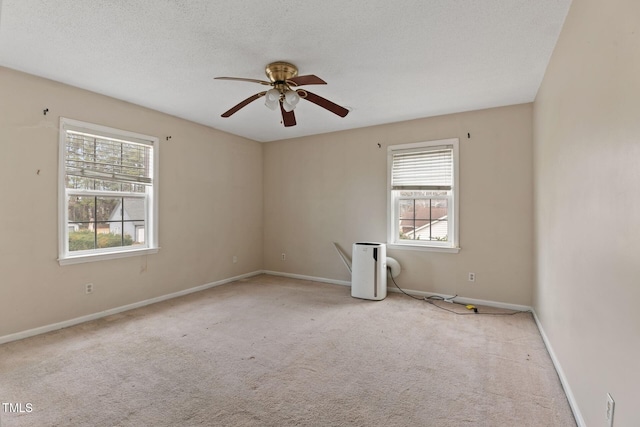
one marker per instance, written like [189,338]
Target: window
[107,193]
[423,195]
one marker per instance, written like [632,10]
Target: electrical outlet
[611,406]
[88,288]
[235,259]
[284,256]
[472,277]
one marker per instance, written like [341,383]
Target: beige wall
[332,188]
[587,192]
[317,190]
[210,207]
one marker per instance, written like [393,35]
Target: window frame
[393,241]
[65,257]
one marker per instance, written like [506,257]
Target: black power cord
[394,282]
[450,300]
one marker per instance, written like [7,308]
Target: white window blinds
[97,162]
[423,169]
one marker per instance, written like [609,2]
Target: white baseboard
[474,301]
[94,316]
[391,288]
[71,322]
[563,379]
[312,278]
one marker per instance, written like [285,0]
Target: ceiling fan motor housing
[281,71]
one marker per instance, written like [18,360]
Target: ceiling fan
[284,92]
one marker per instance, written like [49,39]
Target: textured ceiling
[385,61]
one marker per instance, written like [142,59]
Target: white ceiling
[386,61]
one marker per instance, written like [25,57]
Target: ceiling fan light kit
[290,100]
[272,98]
[284,79]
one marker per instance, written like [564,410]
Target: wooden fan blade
[242,79]
[307,80]
[323,102]
[243,104]
[288,119]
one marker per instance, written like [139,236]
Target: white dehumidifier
[369,275]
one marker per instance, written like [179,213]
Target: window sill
[102,257]
[421,248]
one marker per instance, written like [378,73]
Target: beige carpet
[270,351]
